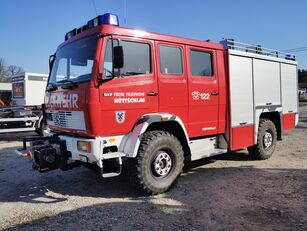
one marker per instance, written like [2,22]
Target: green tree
[2,69]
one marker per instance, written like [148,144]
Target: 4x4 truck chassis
[155,101]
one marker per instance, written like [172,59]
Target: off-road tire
[259,151]
[153,143]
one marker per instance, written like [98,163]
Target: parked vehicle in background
[303,96]
[156,100]
[302,92]
[25,112]
[5,94]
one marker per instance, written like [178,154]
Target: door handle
[152,93]
[214,93]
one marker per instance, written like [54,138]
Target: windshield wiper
[68,84]
[51,87]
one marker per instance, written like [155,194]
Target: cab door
[132,92]
[203,91]
[172,80]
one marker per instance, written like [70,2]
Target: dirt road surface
[229,192]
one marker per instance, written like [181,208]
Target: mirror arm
[51,62]
[101,79]
[112,43]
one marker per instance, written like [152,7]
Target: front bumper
[101,147]
[55,151]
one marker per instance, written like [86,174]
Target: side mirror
[118,58]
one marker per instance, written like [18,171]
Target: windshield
[74,61]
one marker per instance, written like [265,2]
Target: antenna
[125,12]
[93,1]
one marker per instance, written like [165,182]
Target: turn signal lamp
[84,146]
[164,118]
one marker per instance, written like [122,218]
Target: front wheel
[266,141]
[159,161]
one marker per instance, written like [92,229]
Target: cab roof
[135,33]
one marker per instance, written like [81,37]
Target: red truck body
[186,89]
[174,91]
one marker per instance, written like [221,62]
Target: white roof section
[31,73]
[257,52]
[5,86]
[261,56]
[29,76]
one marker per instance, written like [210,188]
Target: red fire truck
[118,95]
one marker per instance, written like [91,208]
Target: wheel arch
[157,121]
[175,129]
[275,117]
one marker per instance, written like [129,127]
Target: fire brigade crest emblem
[120,116]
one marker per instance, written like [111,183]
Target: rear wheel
[266,141]
[159,162]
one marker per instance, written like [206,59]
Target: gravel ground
[229,192]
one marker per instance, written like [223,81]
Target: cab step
[206,147]
[112,164]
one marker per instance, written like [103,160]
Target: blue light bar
[109,19]
[290,57]
[81,29]
[70,34]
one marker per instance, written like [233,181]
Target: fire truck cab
[155,100]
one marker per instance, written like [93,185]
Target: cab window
[137,59]
[201,63]
[170,60]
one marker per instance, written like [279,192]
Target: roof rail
[256,49]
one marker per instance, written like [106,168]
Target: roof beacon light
[289,57]
[109,19]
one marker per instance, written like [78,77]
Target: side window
[170,60]
[137,59]
[201,63]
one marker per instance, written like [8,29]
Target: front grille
[66,119]
[60,118]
